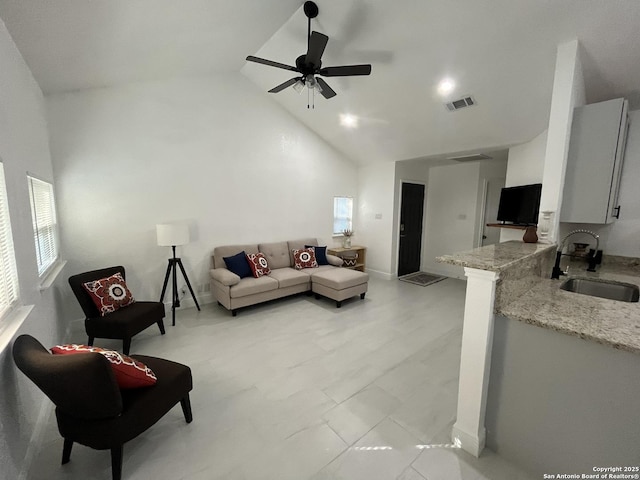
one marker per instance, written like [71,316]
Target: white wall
[490,170]
[376,184]
[216,152]
[525,166]
[454,210]
[23,148]
[451,215]
[526,162]
[414,170]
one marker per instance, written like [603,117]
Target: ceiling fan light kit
[309,65]
[299,86]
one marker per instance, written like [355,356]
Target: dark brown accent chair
[121,324]
[90,408]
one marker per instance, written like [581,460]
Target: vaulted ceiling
[500,51]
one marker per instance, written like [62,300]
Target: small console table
[361,251]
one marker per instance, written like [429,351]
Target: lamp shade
[171,234]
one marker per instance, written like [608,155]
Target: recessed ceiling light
[348,120]
[446,86]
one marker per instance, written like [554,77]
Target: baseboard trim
[379,274]
[187,301]
[470,443]
[438,270]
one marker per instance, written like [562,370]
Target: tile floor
[297,389]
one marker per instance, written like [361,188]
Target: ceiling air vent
[470,158]
[461,103]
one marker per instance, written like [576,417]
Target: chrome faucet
[557,271]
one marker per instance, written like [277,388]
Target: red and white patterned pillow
[258,264]
[129,373]
[304,258]
[109,294]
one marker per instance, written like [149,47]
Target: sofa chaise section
[340,284]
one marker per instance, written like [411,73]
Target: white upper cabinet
[594,164]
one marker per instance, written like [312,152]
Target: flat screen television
[520,205]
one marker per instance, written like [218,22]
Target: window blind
[9,274]
[45,228]
[342,214]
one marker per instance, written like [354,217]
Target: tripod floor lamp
[172,235]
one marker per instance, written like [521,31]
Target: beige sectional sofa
[330,281]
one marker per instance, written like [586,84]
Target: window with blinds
[342,214]
[45,227]
[9,274]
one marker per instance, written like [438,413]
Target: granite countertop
[608,322]
[496,258]
[541,302]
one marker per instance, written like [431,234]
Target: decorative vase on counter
[530,235]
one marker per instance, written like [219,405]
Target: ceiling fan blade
[284,85]
[317,43]
[345,71]
[271,63]
[327,91]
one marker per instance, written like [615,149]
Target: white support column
[568,93]
[475,361]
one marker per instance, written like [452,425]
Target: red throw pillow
[129,373]
[258,264]
[109,294]
[304,258]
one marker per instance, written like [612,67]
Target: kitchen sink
[624,292]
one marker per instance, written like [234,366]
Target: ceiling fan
[309,65]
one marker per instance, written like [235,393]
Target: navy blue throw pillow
[239,265]
[321,254]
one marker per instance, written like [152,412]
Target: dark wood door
[411,211]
